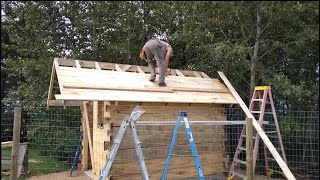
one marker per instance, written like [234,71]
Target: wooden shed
[108,92]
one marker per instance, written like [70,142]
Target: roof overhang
[99,81]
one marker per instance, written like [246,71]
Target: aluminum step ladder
[127,120]
[183,115]
[263,98]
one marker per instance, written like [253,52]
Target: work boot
[162,84]
[152,78]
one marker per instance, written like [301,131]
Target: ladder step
[238,174]
[271,159]
[271,124]
[270,132]
[242,148]
[240,161]
[278,149]
[257,100]
[254,137]
[280,172]
[258,112]
[272,136]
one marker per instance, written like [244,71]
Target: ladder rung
[258,112]
[275,171]
[268,112]
[238,174]
[278,150]
[271,159]
[256,100]
[242,148]
[272,136]
[254,137]
[240,161]
[270,132]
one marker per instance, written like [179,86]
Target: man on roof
[157,52]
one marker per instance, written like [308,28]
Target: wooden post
[85,143]
[249,148]
[85,111]
[95,161]
[16,143]
[259,130]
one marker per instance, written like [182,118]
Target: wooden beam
[194,123]
[107,109]
[146,88]
[205,75]
[85,111]
[8,144]
[95,112]
[53,73]
[95,116]
[56,64]
[156,97]
[196,74]
[200,90]
[249,149]
[14,174]
[179,73]
[140,70]
[78,65]
[97,65]
[85,143]
[118,67]
[126,67]
[150,89]
[111,66]
[192,89]
[64,103]
[258,128]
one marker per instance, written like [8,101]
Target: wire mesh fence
[53,136]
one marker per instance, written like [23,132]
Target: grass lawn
[38,164]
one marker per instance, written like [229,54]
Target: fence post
[249,149]
[15,143]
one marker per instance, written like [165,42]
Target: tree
[254,43]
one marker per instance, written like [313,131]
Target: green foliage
[289,90]
[208,36]
[54,132]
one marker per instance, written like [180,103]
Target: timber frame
[81,82]
[79,77]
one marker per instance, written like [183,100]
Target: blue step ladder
[183,114]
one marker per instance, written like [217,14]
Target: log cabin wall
[99,118]
[155,140]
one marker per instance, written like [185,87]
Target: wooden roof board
[109,82]
[91,78]
[142,96]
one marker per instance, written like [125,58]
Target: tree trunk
[255,53]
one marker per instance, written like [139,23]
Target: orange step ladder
[260,105]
